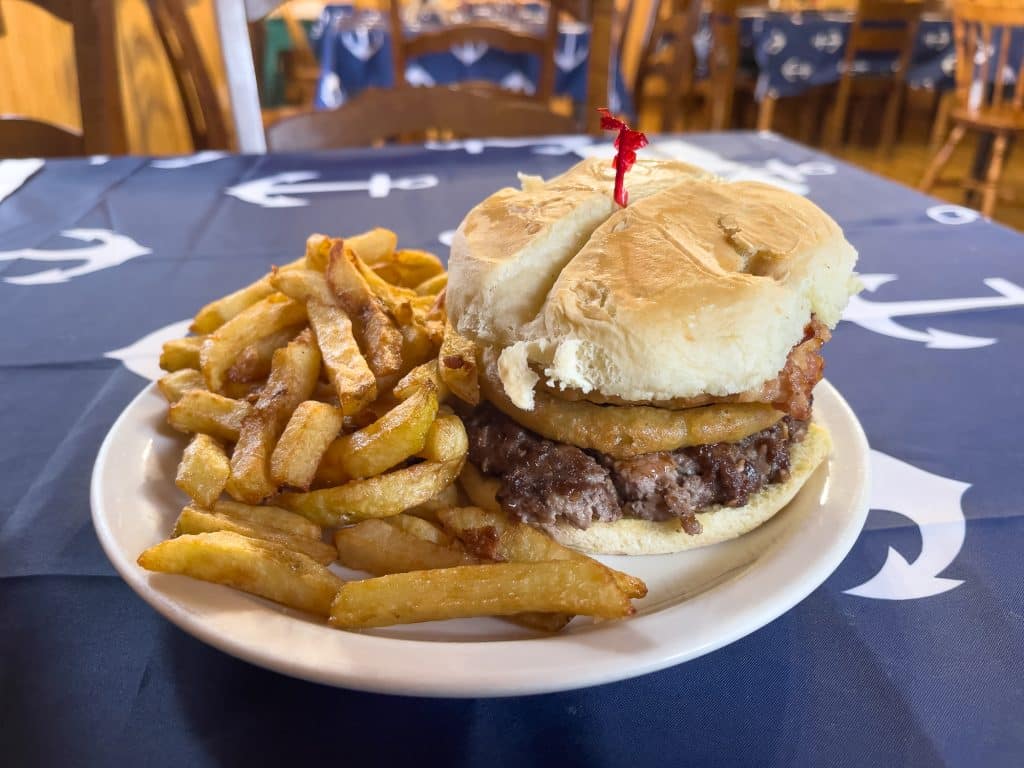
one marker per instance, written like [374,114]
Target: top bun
[699,286]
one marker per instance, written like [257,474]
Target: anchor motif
[110,249]
[829,40]
[362,43]
[795,69]
[877,316]
[571,54]
[14,173]
[553,146]
[280,190]
[142,357]
[469,53]
[934,504]
[187,161]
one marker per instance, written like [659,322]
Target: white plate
[698,601]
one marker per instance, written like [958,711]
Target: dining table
[908,654]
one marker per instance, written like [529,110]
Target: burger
[647,372]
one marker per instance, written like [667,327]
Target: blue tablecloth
[797,51]
[96,256]
[354,48]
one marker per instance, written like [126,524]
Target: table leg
[979,166]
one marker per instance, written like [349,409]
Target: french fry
[433,285]
[380,496]
[494,536]
[378,548]
[318,247]
[216,313]
[379,339]
[269,517]
[394,437]
[347,369]
[203,470]
[449,497]
[262,319]
[376,246]
[409,268]
[193,521]
[446,437]
[181,353]
[174,385]
[417,378]
[396,299]
[292,379]
[259,567]
[311,428]
[422,529]
[253,362]
[200,411]
[481,489]
[457,366]
[567,586]
[417,347]
[302,285]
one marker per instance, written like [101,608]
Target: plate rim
[434,684]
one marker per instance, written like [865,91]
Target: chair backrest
[883,26]
[233,17]
[985,32]
[99,90]
[203,110]
[668,53]
[723,59]
[413,113]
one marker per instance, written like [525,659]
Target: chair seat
[1004,118]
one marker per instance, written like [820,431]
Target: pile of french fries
[315,398]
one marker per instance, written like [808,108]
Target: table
[920,667]
[354,49]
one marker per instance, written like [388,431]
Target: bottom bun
[644,537]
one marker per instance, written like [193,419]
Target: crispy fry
[203,470]
[494,536]
[417,347]
[457,365]
[449,497]
[318,247]
[200,411]
[192,520]
[567,586]
[262,319]
[433,285]
[396,299]
[481,489]
[417,377]
[269,517]
[311,428]
[379,339]
[380,496]
[409,268]
[347,369]
[302,285]
[397,435]
[446,437]
[181,353]
[292,379]
[376,246]
[216,313]
[253,362]
[174,385]
[260,567]
[378,548]
[422,529]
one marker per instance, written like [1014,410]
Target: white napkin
[14,173]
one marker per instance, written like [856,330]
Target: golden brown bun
[643,537]
[698,287]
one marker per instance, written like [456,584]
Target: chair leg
[837,120]
[938,162]
[766,113]
[941,125]
[890,121]
[995,170]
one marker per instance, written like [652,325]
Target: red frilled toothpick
[627,143]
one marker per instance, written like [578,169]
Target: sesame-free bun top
[699,286]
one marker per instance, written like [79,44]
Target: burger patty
[543,481]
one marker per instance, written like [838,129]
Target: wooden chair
[725,78]
[99,90]
[203,110]
[382,114]
[668,54]
[301,68]
[989,94]
[879,27]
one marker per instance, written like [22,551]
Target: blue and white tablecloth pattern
[354,49]
[910,654]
